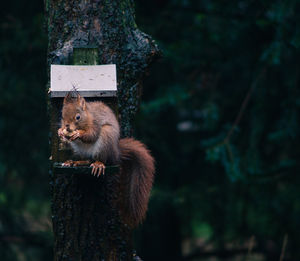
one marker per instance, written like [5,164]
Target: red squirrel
[93,132]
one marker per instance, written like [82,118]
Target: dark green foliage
[25,232]
[221,114]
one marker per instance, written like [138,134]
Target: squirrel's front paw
[75,135]
[62,134]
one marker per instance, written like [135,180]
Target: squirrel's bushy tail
[138,174]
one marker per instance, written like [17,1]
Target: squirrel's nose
[68,127]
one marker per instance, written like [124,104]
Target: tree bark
[86,221]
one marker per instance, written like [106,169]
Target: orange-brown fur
[96,137]
[137,170]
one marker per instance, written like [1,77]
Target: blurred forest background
[220,111]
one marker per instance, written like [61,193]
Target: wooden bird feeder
[88,80]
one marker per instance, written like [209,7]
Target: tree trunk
[86,220]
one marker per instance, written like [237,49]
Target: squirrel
[93,132]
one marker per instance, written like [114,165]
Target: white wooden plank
[89,80]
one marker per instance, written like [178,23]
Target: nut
[65,132]
[68,134]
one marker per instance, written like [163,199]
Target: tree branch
[244,104]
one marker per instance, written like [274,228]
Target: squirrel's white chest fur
[87,150]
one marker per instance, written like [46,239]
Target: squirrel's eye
[77,117]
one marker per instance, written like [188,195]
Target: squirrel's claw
[97,168]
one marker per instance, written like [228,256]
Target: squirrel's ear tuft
[72,96]
[68,98]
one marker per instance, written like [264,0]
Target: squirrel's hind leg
[76,163]
[98,168]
